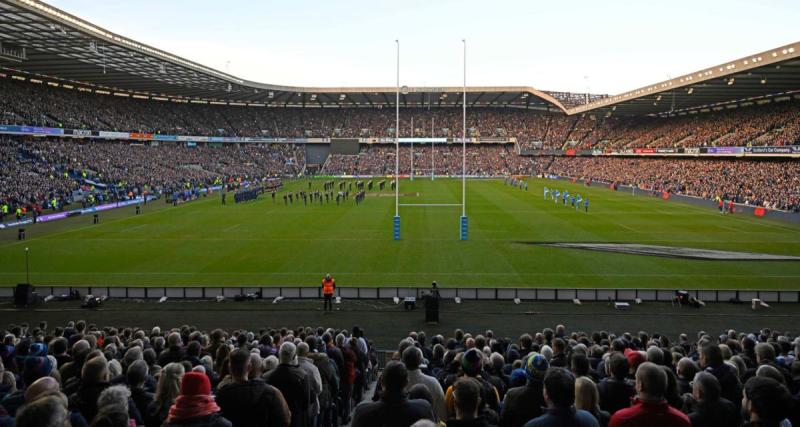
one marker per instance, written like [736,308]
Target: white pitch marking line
[231,228]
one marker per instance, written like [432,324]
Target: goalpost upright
[464,221]
[397,152]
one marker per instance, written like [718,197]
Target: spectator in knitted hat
[635,358]
[195,406]
[522,404]
[33,368]
[518,378]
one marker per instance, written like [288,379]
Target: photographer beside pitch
[328,285]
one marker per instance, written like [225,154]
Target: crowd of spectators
[35,172]
[481,160]
[108,377]
[773,184]
[25,103]
[83,375]
[560,378]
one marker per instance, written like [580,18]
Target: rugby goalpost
[463,223]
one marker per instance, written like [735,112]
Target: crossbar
[431,204]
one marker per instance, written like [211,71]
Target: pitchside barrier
[467,293]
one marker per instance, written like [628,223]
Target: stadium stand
[314,376]
[24,103]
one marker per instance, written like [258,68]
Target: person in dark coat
[394,409]
[766,402]
[174,353]
[711,361]
[293,383]
[467,392]
[136,378]
[711,410]
[195,407]
[522,404]
[251,403]
[615,392]
[93,381]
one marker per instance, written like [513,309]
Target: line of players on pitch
[555,195]
[564,197]
[329,194]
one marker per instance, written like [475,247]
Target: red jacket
[649,414]
[328,286]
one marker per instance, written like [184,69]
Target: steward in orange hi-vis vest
[328,285]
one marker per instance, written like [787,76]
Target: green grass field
[264,243]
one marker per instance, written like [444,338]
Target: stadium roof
[49,44]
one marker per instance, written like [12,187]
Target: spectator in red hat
[635,358]
[195,406]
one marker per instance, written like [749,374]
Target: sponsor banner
[692,150]
[159,137]
[772,150]
[723,150]
[669,150]
[31,130]
[644,150]
[424,140]
[141,135]
[114,135]
[77,132]
[570,152]
[52,216]
[10,129]
[35,130]
[13,224]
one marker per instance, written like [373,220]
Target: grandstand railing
[388,293]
